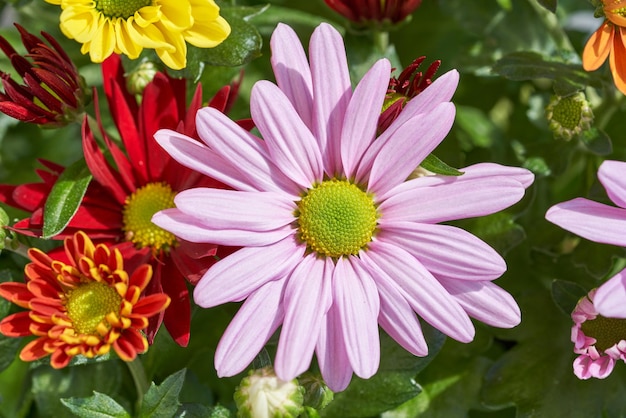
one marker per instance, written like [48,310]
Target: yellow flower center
[88,305]
[336,218]
[120,8]
[137,215]
[606,331]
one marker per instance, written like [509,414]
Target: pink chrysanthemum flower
[604,224]
[336,241]
[600,341]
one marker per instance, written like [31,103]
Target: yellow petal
[148,37]
[124,39]
[208,34]
[103,43]
[175,59]
[597,48]
[177,14]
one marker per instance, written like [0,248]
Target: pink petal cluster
[591,362]
[604,224]
[316,127]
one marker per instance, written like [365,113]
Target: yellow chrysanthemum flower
[128,26]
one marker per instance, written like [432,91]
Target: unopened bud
[263,394]
[569,116]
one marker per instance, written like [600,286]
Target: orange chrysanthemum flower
[609,41]
[83,305]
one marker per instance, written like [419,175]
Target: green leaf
[97,406]
[434,164]
[50,385]
[566,295]
[498,230]
[528,65]
[392,385]
[65,198]
[196,410]
[597,141]
[162,400]
[548,4]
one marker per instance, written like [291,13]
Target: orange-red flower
[85,303]
[609,41]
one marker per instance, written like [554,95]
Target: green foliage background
[513,55]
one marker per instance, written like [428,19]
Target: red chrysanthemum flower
[378,11]
[121,200]
[407,85]
[83,303]
[53,92]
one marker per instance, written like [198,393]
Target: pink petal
[331,92]
[361,119]
[585,367]
[233,209]
[290,143]
[198,157]
[398,319]
[331,353]
[470,173]
[611,175]
[591,220]
[424,293]
[241,273]
[440,91]
[610,298]
[485,301]
[413,141]
[449,201]
[292,71]
[246,153]
[193,229]
[356,299]
[255,322]
[445,250]
[306,299]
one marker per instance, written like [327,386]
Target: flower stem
[381,40]
[139,378]
[555,29]
[12,244]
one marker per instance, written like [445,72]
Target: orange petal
[618,60]
[34,350]
[141,276]
[60,359]
[17,293]
[46,307]
[151,305]
[16,325]
[130,343]
[598,47]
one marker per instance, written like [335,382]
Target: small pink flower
[604,224]
[598,340]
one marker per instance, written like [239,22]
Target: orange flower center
[89,304]
[137,216]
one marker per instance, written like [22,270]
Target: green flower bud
[263,394]
[4,222]
[569,116]
[140,77]
[316,394]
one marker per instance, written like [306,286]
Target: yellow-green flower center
[120,8]
[567,112]
[87,306]
[606,331]
[137,215]
[336,218]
